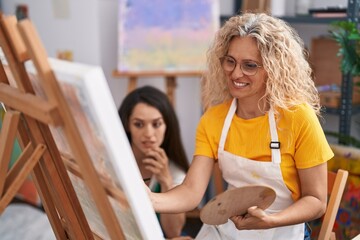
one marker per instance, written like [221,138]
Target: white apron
[239,171]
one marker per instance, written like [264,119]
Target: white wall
[89,29]
[78,32]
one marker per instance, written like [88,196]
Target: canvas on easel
[95,114]
[89,137]
[173,36]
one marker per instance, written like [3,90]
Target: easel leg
[132,84]
[170,88]
[7,138]
[19,173]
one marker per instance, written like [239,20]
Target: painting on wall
[165,35]
[91,104]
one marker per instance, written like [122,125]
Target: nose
[237,72]
[148,131]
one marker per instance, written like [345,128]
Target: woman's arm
[313,201]
[186,196]
[171,224]
[311,205]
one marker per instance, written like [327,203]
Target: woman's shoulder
[300,114]
[303,110]
[218,111]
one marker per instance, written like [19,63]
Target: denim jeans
[307,235]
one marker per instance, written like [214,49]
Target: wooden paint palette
[236,202]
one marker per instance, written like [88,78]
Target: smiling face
[147,129]
[246,88]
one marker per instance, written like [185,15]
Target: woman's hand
[255,218]
[157,162]
[147,189]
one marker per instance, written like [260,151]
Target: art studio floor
[21,221]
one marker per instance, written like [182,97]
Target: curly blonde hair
[284,59]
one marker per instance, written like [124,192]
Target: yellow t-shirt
[303,142]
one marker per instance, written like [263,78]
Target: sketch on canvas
[165,35]
[88,95]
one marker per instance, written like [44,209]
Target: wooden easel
[255,6]
[170,79]
[30,116]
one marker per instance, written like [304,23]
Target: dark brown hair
[172,143]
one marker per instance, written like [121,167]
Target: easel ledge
[170,77]
[192,73]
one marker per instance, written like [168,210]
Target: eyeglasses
[249,68]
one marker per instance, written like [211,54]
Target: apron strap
[274,144]
[227,123]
